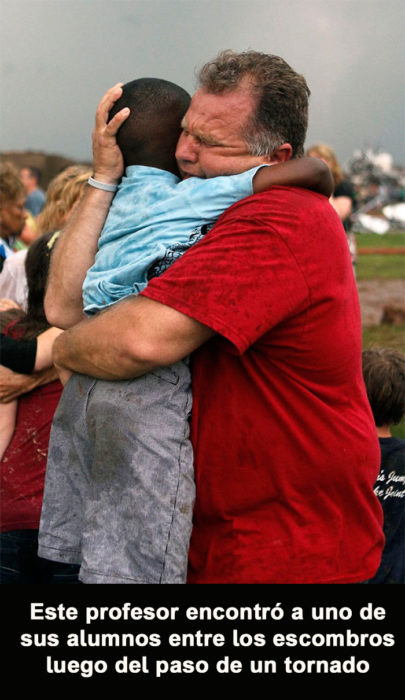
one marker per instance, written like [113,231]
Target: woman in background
[23,463]
[343,199]
[62,196]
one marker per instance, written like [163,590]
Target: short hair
[281,114]
[149,135]
[384,377]
[34,172]
[325,152]
[11,187]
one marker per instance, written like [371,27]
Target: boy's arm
[8,412]
[311,173]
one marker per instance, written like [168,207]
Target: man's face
[12,217]
[212,142]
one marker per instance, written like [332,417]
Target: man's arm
[77,244]
[129,339]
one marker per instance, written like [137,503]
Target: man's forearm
[77,246]
[128,340]
[73,255]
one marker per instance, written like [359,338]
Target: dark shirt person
[384,376]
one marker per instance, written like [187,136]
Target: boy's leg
[70,457]
[140,502]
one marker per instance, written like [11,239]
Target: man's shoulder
[286,202]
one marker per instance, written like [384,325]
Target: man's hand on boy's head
[107,158]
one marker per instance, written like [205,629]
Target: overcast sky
[59,56]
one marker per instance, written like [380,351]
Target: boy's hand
[107,158]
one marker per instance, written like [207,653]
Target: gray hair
[282,98]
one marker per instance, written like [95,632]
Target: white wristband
[102,185]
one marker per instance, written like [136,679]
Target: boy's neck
[384,431]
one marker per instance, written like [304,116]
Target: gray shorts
[119,489]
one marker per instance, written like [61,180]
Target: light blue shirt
[154,218]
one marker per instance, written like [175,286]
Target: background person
[35,199]
[33,356]
[384,376]
[12,211]
[63,195]
[24,460]
[343,199]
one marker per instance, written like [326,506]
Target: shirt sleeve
[18,355]
[241,280]
[209,198]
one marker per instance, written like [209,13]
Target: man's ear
[282,154]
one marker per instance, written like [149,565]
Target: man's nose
[187,148]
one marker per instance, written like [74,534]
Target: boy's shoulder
[393,452]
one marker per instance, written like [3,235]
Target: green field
[375,266]
[380,266]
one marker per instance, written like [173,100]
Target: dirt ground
[376,295]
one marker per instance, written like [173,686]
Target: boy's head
[384,376]
[149,135]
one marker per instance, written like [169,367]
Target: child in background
[384,376]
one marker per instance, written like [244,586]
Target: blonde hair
[64,191]
[325,152]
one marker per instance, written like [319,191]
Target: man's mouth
[184,174]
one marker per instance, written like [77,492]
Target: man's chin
[184,174]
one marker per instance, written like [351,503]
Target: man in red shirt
[285,449]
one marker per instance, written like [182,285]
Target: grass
[385,336]
[380,266]
[371,267]
[388,240]
[383,267]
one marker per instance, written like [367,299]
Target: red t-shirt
[286,452]
[23,466]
